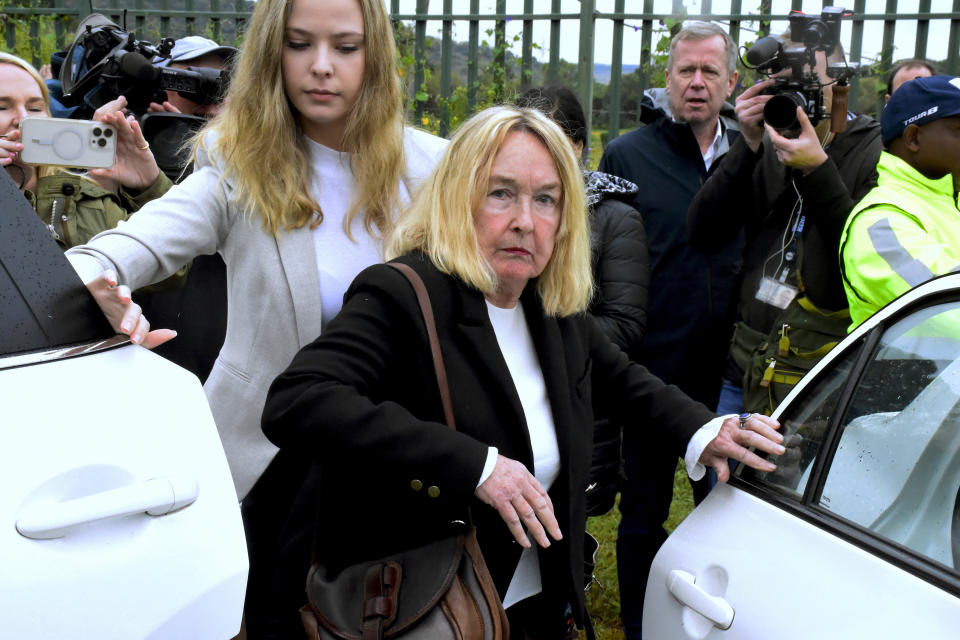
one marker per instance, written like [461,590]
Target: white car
[857,534]
[118,516]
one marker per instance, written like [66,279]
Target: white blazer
[273,287]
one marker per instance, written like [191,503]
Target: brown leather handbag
[439,591]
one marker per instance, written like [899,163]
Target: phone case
[67,143]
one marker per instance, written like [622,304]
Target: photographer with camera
[199,53]
[790,191]
[74,206]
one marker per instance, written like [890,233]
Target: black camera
[802,88]
[104,61]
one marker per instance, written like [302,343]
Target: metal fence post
[446,52]
[553,71]
[59,29]
[646,42]
[616,73]
[735,8]
[500,52]
[473,46]
[886,51]
[856,52]
[923,30]
[526,60]
[420,55]
[585,69]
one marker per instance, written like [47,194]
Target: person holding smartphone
[74,206]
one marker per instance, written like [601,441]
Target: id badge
[773,292]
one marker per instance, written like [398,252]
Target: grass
[603,600]
[596,146]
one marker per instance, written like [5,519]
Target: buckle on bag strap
[381,587]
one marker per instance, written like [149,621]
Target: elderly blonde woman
[499,235]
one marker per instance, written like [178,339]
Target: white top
[516,344]
[339,259]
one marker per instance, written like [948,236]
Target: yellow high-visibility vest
[903,233]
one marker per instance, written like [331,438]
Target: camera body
[804,87]
[104,61]
[67,143]
[817,34]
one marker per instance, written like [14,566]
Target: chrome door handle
[156,497]
[715,609]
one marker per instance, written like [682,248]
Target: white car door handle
[684,588]
[157,497]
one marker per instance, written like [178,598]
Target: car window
[896,470]
[43,304]
[804,424]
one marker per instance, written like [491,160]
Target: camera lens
[780,112]
[816,34]
[107,133]
[97,131]
[102,142]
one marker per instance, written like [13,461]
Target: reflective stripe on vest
[888,247]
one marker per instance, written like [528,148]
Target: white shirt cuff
[699,442]
[488,466]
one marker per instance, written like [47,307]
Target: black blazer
[388,473]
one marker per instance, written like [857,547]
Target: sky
[603,39]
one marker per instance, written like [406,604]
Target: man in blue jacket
[689,315]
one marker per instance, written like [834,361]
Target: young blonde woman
[296,182]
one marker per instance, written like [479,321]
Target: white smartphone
[67,143]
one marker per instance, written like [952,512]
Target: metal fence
[223,21]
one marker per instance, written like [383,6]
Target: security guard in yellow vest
[907,229]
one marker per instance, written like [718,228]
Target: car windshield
[43,304]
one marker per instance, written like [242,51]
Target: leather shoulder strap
[423,298]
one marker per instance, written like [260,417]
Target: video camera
[803,88]
[104,61]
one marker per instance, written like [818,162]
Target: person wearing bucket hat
[907,229]
[193,51]
[192,48]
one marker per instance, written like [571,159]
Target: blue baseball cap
[918,102]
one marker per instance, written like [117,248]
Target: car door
[118,515]
[857,533]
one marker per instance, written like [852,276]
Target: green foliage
[35,36]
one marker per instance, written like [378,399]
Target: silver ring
[743,419]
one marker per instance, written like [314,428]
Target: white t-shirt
[516,344]
[339,259]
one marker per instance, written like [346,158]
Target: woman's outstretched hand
[735,439]
[123,313]
[521,501]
